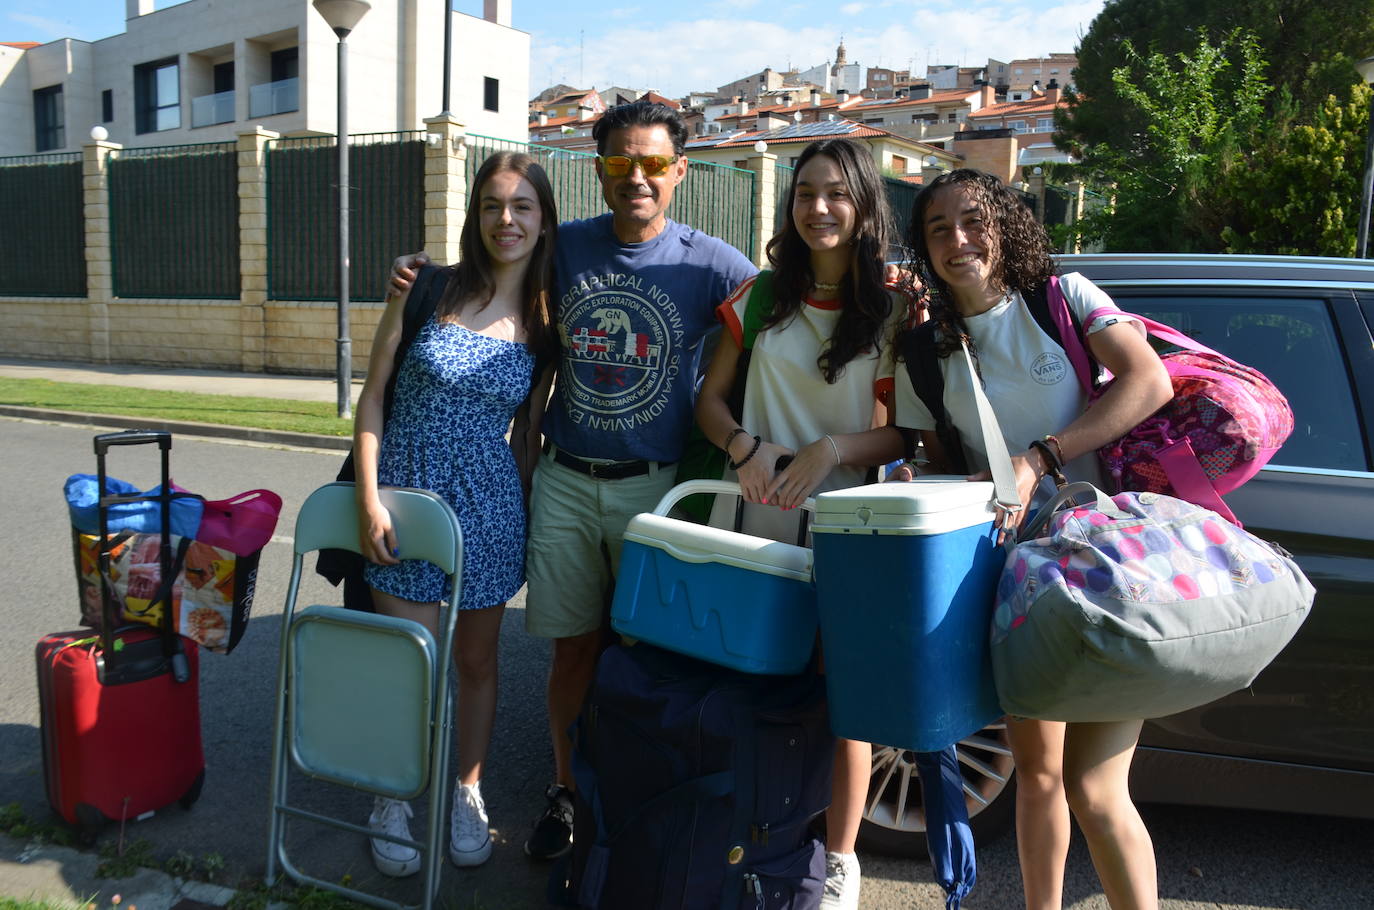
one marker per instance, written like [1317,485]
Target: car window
[1292,341]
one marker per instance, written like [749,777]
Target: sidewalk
[209,382]
[65,876]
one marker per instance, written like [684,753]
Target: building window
[224,77]
[491,94]
[107,106]
[1017,125]
[899,165]
[157,96]
[47,119]
[286,64]
[1044,125]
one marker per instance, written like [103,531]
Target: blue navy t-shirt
[631,317]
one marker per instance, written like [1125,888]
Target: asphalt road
[1216,859]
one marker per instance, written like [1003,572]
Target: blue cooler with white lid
[905,579]
[732,599]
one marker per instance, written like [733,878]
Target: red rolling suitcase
[121,707]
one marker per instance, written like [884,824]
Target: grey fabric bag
[1136,606]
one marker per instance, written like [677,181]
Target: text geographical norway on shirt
[621,351]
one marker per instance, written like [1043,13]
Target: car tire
[894,817]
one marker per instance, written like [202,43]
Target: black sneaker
[553,833]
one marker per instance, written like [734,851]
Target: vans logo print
[1048,369]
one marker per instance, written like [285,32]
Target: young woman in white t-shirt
[979,248]
[818,387]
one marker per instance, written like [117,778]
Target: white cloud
[677,57]
[853,9]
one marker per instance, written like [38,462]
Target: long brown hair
[471,280]
[863,292]
[1017,244]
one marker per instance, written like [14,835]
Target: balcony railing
[208,110]
[274,98]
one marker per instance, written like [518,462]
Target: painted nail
[765,500]
[395,551]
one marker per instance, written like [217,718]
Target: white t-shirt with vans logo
[1026,375]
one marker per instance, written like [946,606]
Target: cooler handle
[683,490]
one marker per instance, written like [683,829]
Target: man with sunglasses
[636,296]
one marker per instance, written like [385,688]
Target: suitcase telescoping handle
[181,668]
[132,438]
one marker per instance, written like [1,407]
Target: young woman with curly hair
[980,251]
[818,387]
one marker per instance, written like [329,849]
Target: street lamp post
[1366,69]
[343,16]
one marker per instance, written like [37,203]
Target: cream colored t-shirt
[1026,375]
[788,402]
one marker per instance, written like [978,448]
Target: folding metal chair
[363,699]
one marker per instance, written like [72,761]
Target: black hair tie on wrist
[1053,467]
[736,465]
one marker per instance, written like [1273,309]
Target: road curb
[182,427]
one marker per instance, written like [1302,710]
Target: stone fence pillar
[764,165]
[95,187]
[446,196]
[251,151]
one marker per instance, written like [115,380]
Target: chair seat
[361,700]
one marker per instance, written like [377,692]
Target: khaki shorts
[577,526]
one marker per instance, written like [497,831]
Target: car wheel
[894,819]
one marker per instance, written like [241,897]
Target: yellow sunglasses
[651,165]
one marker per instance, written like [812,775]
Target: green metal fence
[386,212]
[901,195]
[174,221]
[44,250]
[713,198]
[719,200]
[576,191]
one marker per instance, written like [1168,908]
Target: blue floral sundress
[456,393]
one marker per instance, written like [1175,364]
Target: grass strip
[316,417]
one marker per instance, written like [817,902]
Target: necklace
[822,286]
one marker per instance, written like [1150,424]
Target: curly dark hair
[1019,248]
[640,113]
[862,289]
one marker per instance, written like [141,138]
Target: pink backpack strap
[1188,479]
[1069,338]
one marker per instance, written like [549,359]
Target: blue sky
[688,46]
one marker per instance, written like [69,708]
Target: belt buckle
[594,469]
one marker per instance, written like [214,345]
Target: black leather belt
[609,470]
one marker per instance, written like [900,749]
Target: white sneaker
[841,882]
[469,841]
[392,816]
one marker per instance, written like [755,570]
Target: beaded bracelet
[736,465]
[731,438]
[1058,449]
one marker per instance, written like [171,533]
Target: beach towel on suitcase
[1138,605]
[696,786]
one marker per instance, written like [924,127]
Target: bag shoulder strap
[757,308]
[1051,311]
[420,305]
[923,368]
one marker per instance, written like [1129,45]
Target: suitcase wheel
[89,821]
[189,798]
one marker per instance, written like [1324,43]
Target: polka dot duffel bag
[1137,605]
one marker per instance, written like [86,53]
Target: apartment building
[202,71]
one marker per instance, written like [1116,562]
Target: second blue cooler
[732,599]
[905,579]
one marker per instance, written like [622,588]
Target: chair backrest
[426,527]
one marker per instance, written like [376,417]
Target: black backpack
[917,349]
[696,787]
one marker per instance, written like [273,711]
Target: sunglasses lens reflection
[621,165]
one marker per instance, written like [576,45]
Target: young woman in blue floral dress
[479,367]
